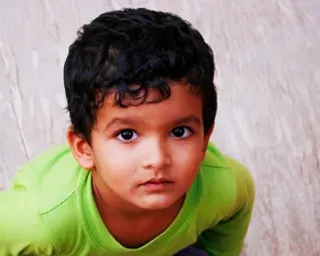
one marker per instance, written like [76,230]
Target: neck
[119,216]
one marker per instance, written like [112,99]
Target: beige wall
[268,60]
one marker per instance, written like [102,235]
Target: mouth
[157,184]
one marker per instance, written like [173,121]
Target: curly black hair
[129,51]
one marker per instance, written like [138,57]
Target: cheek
[188,159]
[193,148]
[113,162]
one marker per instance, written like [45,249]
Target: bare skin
[143,159]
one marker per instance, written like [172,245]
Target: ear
[81,149]
[207,137]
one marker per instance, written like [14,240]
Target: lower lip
[156,186]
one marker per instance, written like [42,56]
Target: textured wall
[268,60]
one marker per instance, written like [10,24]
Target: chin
[157,203]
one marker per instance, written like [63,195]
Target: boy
[138,176]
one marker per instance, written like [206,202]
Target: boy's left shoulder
[218,164]
[225,182]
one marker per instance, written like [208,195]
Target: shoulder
[50,178]
[43,188]
[21,228]
[226,183]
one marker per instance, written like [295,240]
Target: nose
[157,155]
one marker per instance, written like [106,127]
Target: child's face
[149,155]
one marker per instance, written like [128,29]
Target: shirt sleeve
[227,237]
[21,228]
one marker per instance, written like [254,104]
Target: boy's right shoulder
[22,231]
[50,178]
[42,196]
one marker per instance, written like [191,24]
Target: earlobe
[81,149]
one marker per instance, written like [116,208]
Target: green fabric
[50,210]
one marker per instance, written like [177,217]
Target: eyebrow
[131,121]
[121,121]
[188,119]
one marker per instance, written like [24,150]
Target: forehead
[182,101]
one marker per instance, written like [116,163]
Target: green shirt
[50,210]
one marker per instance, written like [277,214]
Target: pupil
[127,135]
[178,132]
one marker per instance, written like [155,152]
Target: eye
[181,132]
[127,135]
